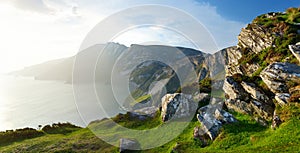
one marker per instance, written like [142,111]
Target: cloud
[223,30]
[38,6]
[48,29]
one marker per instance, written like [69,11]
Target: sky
[34,31]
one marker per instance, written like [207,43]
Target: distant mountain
[99,60]
[62,69]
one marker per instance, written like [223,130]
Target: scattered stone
[177,105]
[211,118]
[128,144]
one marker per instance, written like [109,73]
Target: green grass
[243,136]
[82,140]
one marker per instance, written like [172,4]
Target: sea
[26,102]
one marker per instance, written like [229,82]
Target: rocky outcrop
[255,92]
[211,120]
[238,106]
[264,110]
[255,38]
[247,98]
[177,105]
[128,144]
[295,49]
[277,75]
[234,90]
[249,69]
[232,56]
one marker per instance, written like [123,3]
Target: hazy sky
[34,31]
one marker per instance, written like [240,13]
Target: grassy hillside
[245,135]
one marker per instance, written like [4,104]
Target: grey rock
[232,56]
[202,97]
[265,111]
[251,68]
[255,92]
[277,74]
[239,106]
[234,90]
[276,121]
[128,144]
[177,105]
[147,111]
[211,120]
[282,98]
[233,69]
[255,38]
[215,63]
[295,49]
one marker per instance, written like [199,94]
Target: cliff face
[261,70]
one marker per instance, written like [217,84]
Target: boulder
[295,49]
[128,144]
[282,98]
[177,105]
[211,120]
[276,75]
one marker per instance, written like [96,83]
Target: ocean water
[25,102]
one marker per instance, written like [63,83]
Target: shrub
[60,128]
[19,134]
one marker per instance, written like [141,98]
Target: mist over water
[25,102]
